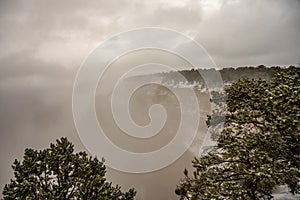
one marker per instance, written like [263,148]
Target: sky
[43,43]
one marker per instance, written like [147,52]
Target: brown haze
[43,43]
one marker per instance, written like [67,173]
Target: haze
[43,44]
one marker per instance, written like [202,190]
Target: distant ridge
[228,75]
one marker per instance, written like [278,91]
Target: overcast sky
[43,43]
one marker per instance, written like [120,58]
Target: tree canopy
[259,147]
[59,173]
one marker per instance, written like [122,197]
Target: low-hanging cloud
[43,44]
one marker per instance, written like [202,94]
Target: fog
[43,44]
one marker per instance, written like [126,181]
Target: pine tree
[259,147]
[59,173]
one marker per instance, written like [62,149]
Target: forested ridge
[259,147]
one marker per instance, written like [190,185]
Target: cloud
[35,107]
[253,32]
[234,32]
[43,43]
[67,31]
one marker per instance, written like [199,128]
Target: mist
[43,44]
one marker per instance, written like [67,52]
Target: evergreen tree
[259,147]
[59,173]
